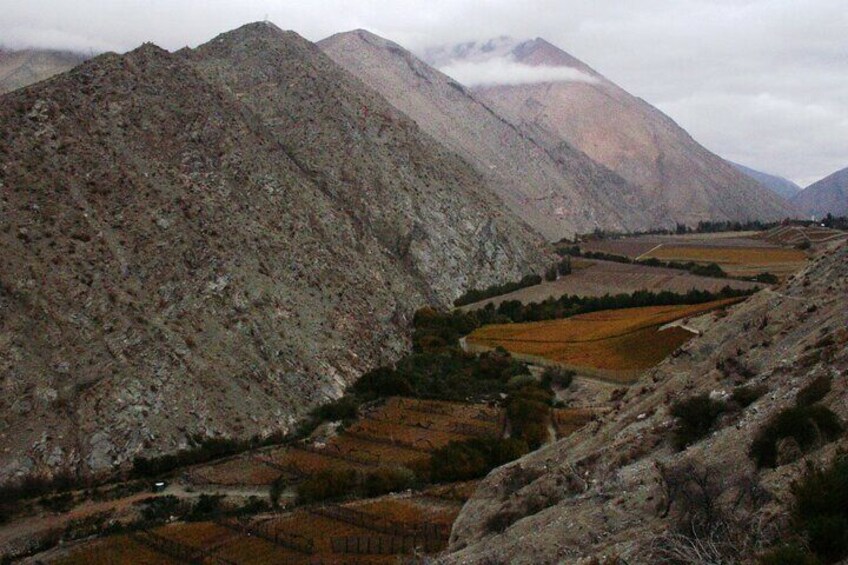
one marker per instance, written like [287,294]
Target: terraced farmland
[612,344]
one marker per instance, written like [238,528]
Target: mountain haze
[211,243]
[22,68]
[554,188]
[827,196]
[624,133]
[779,185]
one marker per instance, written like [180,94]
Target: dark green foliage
[814,391]
[788,555]
[461,461]
[387,479]
[335,484]
[744,396]
[345,408]
[766,278]
[207,507]
[809,426]
[821,510]
[451,375]
[529,414]
[157,509]
[564,266]
[329,484]
[58,502]
[695,418]
[551,274]
[476,295]
[205,449]
[711,270]
[554,376]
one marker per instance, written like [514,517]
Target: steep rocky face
[610,490]
[22,68]
[784,188]
[176,262]
[556,189]
[629,136]
[827,196]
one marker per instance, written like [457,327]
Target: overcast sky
[761,82]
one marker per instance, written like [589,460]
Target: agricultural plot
[599,278]
[740,254]
[615,345]
[736,261]
[246,470]
[797,235]
[115,549]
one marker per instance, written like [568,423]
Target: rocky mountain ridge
[556,189]
[627,135]
[210,243]
[20,68]
[779,185]
[827,196]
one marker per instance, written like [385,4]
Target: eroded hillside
[618,487]
[180,259]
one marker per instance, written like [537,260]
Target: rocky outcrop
[612,489]
[210,244]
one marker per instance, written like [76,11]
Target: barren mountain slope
[784,188]
[556,189]
[22,68]
[827,196]
[172,264]
[632,138]
[604,492]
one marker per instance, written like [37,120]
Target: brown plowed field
[606,277]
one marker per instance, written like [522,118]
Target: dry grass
[612,340]
[735,260]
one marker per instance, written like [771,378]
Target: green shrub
[461,461]
[746,395]
[529,414]
[386,480]
[821,510]
[695,418]
[159,508]
[809,426]
[329,484]
[345,408]
[813,392]
[458,461]
[383,381]
[207,507]
[520,381]
[555,376]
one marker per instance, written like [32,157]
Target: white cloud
[704,62]
[507,71]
